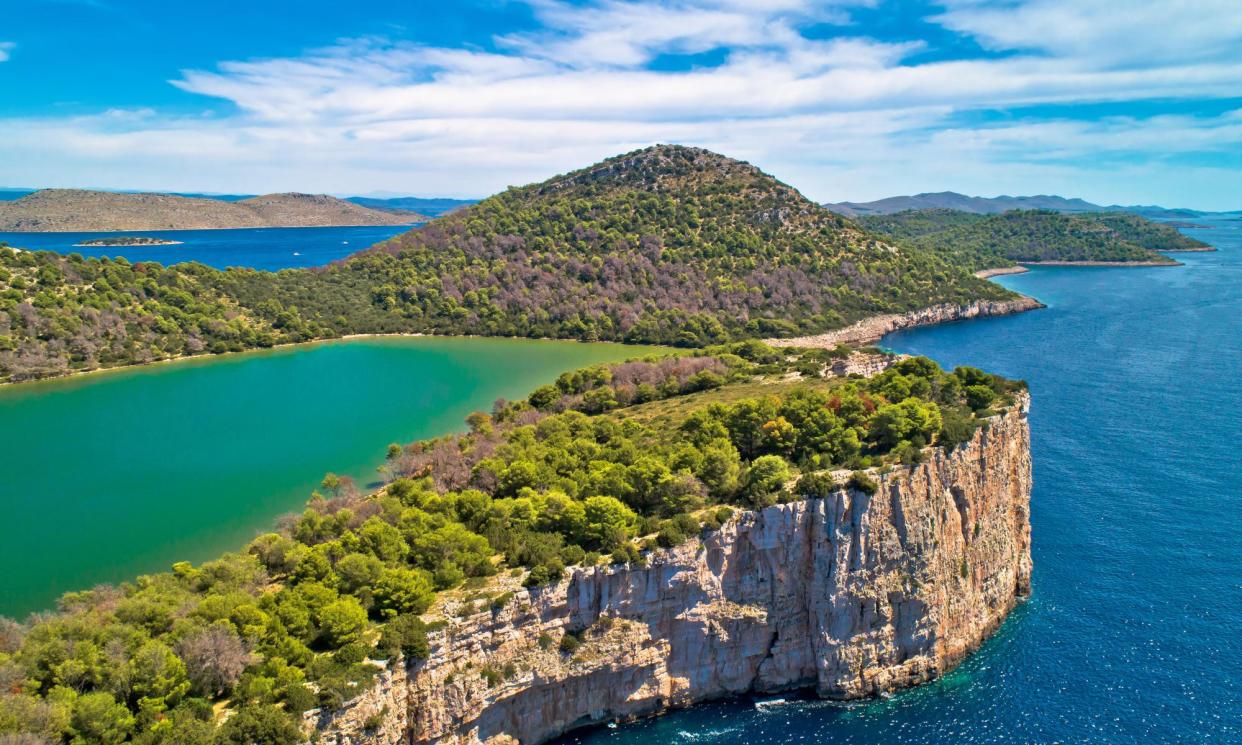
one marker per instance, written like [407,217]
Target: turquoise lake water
[1133,633]
[115,474]
[270,249]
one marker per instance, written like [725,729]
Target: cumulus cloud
[841,115]
[6,50]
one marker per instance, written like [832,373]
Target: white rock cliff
[853,596]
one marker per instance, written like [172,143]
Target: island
[88,211]
[127,241]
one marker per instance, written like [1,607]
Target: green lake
[111,475]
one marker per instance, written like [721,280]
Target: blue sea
[1133,633]
[270,249]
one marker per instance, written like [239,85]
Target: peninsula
[79,210]
[633,538]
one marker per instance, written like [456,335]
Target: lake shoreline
[285,345]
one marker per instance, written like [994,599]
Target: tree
[720,469]
[407,635]
[609,522]
[766,476]
[342,622]
[979,397]
[158,674]
[99,720]
[358,572]
[382,540]
[259,725]
[912,420]
[403,591]
[214,658]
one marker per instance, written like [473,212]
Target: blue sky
[1116,102]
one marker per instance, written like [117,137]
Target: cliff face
[853,595]
[873,329]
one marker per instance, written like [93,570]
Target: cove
[113,474]
[1131,633]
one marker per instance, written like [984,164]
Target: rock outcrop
[874,328]
[853,595]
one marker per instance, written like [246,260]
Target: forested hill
[989,241]
[668,245]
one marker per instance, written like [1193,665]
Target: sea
[269,249]
[1133,633]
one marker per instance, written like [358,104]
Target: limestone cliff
[853,595]
[874,328]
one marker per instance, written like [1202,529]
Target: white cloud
[1132,33]
[6,50]
[842,117]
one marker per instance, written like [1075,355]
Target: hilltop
[670,245]
[80,210]
[982,242]
[952,200]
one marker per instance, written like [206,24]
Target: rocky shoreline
[1000,271]
[871,330]
[853,596]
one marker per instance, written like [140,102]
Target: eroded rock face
[853,595]
[874,328]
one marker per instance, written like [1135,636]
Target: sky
[1121,101]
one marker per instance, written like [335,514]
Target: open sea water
[1133,633]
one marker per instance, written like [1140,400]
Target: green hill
[990,241]
[670,245]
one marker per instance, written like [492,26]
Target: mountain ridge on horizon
[1003,203]
[84,210]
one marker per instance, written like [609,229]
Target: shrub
[569,643]
[860,481]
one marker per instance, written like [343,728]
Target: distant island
[126,241]
[80,210]
[951,200]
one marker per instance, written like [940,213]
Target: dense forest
[602,466]
[989,241]
[668,245]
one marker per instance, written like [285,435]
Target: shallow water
[270,249]
[113,474]
[1132,633]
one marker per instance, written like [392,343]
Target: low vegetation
[601,466]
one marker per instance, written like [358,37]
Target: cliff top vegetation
[602,466]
